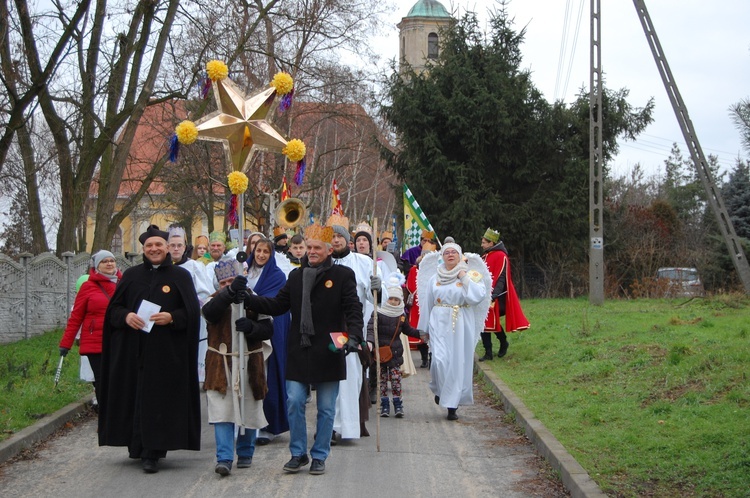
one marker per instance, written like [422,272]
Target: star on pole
[241,124]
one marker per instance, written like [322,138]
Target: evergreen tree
[480,146]
[16,230]
[736,194]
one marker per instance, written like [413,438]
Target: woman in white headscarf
[453,300]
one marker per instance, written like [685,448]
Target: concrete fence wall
[37,292]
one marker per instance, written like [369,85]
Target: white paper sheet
[145,310]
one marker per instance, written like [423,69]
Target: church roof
[428,8]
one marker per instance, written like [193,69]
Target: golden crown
[337,219]
[318,232]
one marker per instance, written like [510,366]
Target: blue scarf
[271,278]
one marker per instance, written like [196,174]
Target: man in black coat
[322,298]
[149,400]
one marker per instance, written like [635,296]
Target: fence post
[131,257]
[68,258]
[24,257]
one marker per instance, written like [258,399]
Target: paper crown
[217,237]
[426,234]
[177,232]
[386,235]
[363,227]
[429,246]
[318,232]
[278,231]
[201,239]
[227,268]
[491,235]
[337,219]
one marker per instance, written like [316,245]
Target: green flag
[414,220]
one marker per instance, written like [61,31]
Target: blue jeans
[224,433]
[326,393]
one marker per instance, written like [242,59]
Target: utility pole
[596,209]
[696,152]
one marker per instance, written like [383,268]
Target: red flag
[336,207]
[284,190]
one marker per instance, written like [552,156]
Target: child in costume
[391,323]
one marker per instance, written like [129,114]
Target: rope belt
[224,355]
[454,313]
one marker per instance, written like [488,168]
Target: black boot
[452,415]
[503,344]
[487,343]
[423,352]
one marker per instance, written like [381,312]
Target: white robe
[204,288]
[445,311]
[346,421]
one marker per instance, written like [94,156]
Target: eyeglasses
[450,252]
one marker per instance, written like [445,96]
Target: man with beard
[149,398]
[352,407]
[504,298]
[322,298]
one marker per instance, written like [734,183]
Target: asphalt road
[422,454]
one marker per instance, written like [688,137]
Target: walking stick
[59,370]
[377,344]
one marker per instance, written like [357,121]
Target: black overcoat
[156,370]
[335,308]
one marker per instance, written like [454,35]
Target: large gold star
[241,124]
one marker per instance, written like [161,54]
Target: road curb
[31,435]
[573,476]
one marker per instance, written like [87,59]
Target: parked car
[682,282]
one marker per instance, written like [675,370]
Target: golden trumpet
[290,213]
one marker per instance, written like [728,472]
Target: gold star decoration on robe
[241,124]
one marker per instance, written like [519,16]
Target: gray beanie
[343,232]
[99,256]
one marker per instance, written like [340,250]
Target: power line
[563,43]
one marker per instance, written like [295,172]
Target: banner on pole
[336,207]
[284,190]
[414,220]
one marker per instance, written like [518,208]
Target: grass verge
[27,387]
[651,397]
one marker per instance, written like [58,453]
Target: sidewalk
[420,455]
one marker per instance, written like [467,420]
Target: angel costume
[452,310]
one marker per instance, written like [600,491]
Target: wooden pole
[375,334]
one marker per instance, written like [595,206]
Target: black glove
[64,351]
[238,289]
[351,346]
[262,330]
[244,325]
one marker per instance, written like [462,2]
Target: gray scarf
[309,276]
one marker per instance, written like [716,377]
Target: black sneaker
[318,467]
[150,465]
[223,468]
[296,463]
[244,462]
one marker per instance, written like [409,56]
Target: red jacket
[88,313]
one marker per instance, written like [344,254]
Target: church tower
[419,33]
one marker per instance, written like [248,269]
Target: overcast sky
[707,46]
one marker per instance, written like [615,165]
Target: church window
[432,46]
